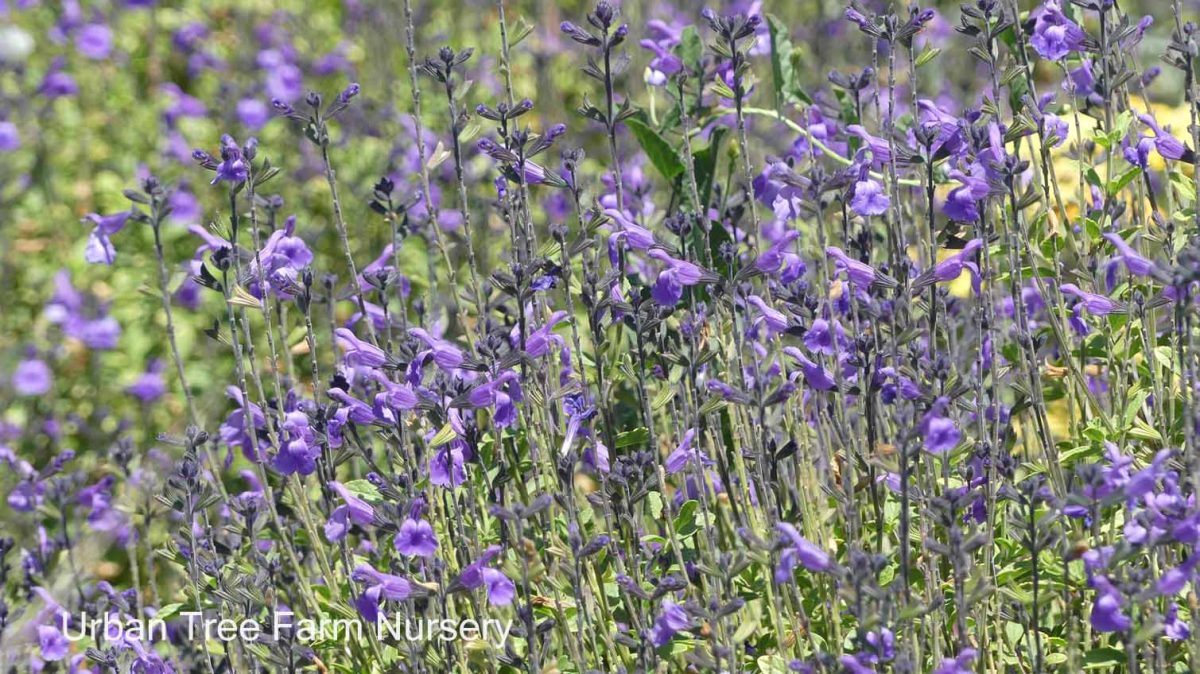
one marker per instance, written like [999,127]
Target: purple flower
[232,168]
[819,338]
[774,256]
[671,620]
[446,467]
[353,510]
[1098,305]
[941,435]
[1106,612]
[679,458]
[416,538]
[300,447]
[1167,145]
[662,42]
[961,664]
[798,551]
[632,234]
[668,289]
[150,385]
[52,643]
[10,137]
[858,273]
[1174,628]
[500,589]
[774,319]
[1175,579]
[57,84]
[1054,35]
[253,113]
[869,198]
[358,352]
[32,377]
[380,586]
[94,41]
[1134,261]
[881,152]
[99,247]
[817,377]
[447,356]
[953,266]
[537,343]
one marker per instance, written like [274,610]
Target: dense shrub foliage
[777,336]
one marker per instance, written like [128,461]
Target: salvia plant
[814,337]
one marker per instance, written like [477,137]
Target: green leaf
[704,162]
[169,611]
[637,436]
[1099,658]
[363,490]
[781,67]
[1123,180]
[691,48]
[685,521]
[928,55]
[718,87]
[784,65]
[444,436]
[660,152]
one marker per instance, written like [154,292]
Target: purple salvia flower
[447,356]
[798,551]
[1134,261]
[1107,615]
[869,198]
[358,352]
[961,664]
[668,289]
[416,538]
[817,377]
[678,459]
[500,589]
[671,620]
[941,435]
[52,645]
[99,247]
[820,337]
[1167,145]
[446,467]
[881,152]
[952,267]
[774,319]
[1054,35]
[774,256]
[858,273]
[537,343]
[353,510]
[1098,305]
[380,586]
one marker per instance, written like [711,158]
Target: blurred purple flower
[32,377]
[10,137]
[150,385]
[94,41]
